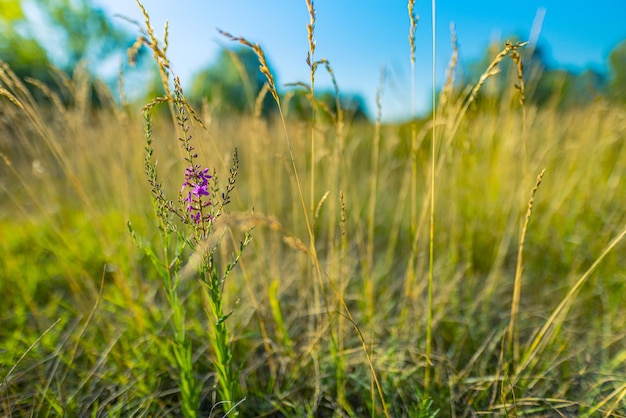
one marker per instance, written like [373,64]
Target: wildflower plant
[189,240]
[186,250]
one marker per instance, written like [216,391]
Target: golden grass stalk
[513,342]
[337,173]
[310,59]
[341,323]
[413,20]
[431,249]
[371,215]
[4,92]
[520,87]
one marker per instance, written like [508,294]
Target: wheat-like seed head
[448,87]
[413,19]
[149,39]
[4,92]
[263,67]
[342,219]
[310,28]
[517,59]
[133,51]
[10,80]
[296,244]
[6,159]
[510,48]
[338,118]
[165,37]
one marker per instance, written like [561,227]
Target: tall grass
[329,308]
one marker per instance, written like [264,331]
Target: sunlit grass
[330,301]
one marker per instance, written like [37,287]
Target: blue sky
[359,38]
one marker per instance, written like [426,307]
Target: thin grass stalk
[83,330]
[410,274]
[372,388]
[398,215]
[431,251]
[341,320]
[617,396]
[251,99]
[368,356]
[6,379]
[5,93]
[336,171]
[446,105]
[312,250]
[513,340]
[410,289]
[521,88]
[371,215]
[310,60]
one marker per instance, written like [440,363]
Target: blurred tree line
[39,35]
[234,85]
[64,33]
[548,85]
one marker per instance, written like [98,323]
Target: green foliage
[231,85]
[85,34]
[298,104]
[11,12]
[18,45]
[566,89]
[616,88]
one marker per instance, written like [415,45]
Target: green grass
[330,301]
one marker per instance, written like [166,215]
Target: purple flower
[197,183]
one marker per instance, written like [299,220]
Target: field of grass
[394,270]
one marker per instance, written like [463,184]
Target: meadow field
[471,263]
